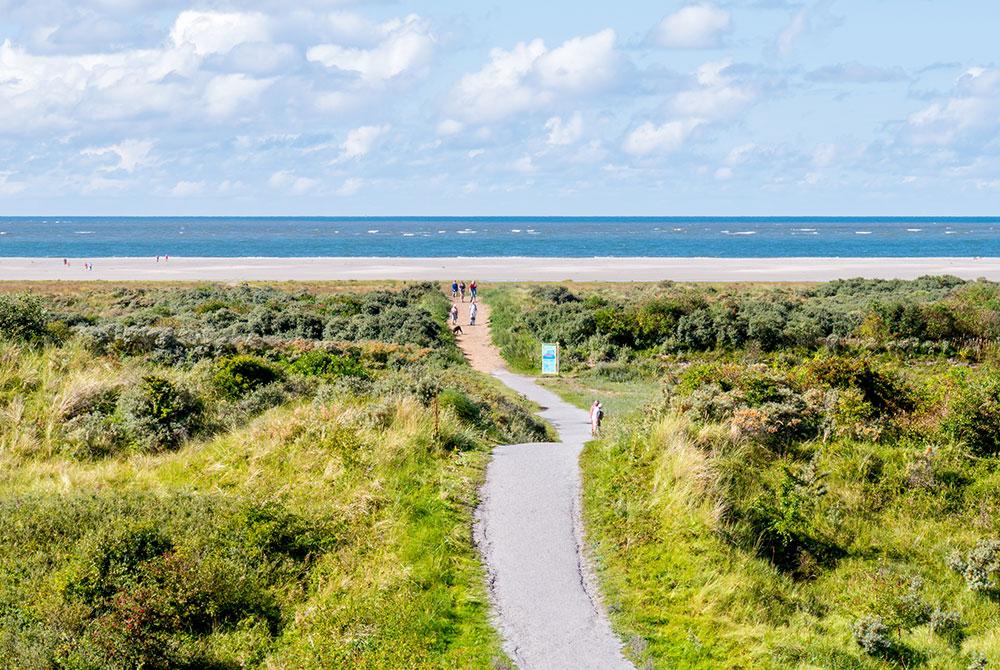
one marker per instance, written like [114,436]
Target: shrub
[320,363]
[948,625]
[980,567]
[22,318]
[872,635]
[236,376]
[974,416]
[463,406]
[160,414]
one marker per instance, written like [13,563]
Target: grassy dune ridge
[242,477]
[790,476]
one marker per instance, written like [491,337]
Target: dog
[457,330]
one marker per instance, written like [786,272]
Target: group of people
[453,316]
[458,290]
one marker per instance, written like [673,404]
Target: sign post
[550,359]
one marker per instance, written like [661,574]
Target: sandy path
[529,532]
[496,269]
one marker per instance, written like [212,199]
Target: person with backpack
[454,289]
[596,416]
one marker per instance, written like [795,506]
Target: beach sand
[494,269]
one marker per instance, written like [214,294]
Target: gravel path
[528,530]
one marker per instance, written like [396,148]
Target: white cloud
[717,96]
[288,180]
[693,27]
[811,19]
[450,127]
[971,112]
[651,138]
[476,153]
[227,93]
[792,32]
[407,45]
[131,154]
[524,165]
[350,186]
[530,76]
[218,32]
[724,173]
[185,189]
[361,140]
[563,133]
[824,155]
[8,186]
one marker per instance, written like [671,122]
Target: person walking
[461,290]
[454,314]
[454,289]
[473,311]
[473,288]
[596,416]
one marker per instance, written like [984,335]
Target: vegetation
[810,479]
[242,477]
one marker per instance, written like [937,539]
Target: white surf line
[529,532]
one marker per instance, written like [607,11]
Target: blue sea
[728,237]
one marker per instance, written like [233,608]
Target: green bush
[160,414]
[318,363]
[872,635]
[22,318]
[974,416]
[237,376]
[463,406]
[980,566]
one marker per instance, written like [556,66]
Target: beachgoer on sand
[461,290]
[473,311]
[454,289]
[596,416]
[454,314]
[474,290]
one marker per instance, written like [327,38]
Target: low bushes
[237,376]
[160,414]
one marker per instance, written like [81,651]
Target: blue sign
[550,359]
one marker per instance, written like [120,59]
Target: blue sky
[755,107]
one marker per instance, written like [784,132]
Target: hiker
[461,290]
[473,288]
[596,415]
[454,289]
[454,314]
[472,314]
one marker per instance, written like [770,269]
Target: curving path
[529,533]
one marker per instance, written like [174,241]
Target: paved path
[528,530]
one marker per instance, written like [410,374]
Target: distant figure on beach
[472,314]
[473,288]
[454,314]
[461,290]
[596,415]
[157,258]
[454,289]
[65,261]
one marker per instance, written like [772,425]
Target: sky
[451,107]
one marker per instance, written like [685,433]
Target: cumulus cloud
[718,94]
[130,154]
[812,19]
[9,186]
[186,189]
[970,113]
[361,140]
[651,138]
[562,133]
[218,32]
[350,186]
[289,181]
[406,45]
[693,27]
[450,127]
[531,76]
[226,93]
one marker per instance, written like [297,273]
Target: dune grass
[294,503]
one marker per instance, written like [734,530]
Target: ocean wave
[806,230]
[862,232]
[466,231]
[83,232]
[372,232]
[914,230]
[515,230]
[408,234]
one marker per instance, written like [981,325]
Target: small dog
[457,330]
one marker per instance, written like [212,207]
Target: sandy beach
[497,269]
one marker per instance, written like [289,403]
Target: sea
[581,237]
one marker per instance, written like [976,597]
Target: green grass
[317,521]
